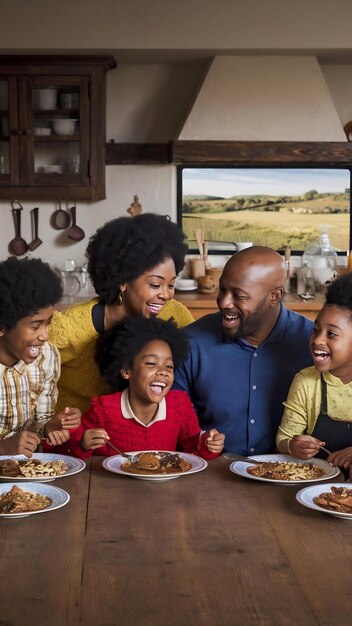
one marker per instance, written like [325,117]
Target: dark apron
[337,434]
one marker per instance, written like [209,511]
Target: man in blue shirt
[242,360]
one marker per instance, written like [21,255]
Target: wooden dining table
[207,549]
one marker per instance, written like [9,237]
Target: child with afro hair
[29,365]
[138,358]
[318,408]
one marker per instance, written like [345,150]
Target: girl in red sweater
[138,358]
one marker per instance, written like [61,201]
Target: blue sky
[239,181]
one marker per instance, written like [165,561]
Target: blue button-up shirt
[239,389]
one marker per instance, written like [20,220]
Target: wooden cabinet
[52,127]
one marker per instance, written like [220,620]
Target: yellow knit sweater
[73,333]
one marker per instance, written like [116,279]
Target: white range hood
[264,98]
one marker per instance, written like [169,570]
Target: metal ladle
[75,232]
[18,245]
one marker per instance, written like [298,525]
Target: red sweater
[179,431]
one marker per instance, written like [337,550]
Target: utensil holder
[197,268]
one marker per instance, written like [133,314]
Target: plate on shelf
[113,464]
[186,284]
[74,466]
[186,288]
[240,468]
[306,498]
[58,497]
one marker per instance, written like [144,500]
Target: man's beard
[250,326]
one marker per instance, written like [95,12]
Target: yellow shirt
[302,406]
[73,333]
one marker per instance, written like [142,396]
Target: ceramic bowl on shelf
[64,126]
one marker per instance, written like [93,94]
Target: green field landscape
[275,221]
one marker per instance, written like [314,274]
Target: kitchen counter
[201,304]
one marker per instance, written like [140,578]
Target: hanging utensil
[36,241]
[75,232]
[18,245]
[60,219]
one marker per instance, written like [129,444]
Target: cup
[197,268]
[215,273]
[242,245]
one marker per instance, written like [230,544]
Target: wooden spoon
[75,232]
[200,240]
[18,245]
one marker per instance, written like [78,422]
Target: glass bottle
[321,258]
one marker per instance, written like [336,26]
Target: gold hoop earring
[120,298]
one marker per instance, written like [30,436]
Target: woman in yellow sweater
[133,263]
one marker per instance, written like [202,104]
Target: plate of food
[283,469]
[40,467]
[332,498]
[29,499]
[156,465]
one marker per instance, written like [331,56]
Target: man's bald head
[259,264]
[251,288]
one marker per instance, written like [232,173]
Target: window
[271,206]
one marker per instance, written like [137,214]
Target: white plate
[306,498]
[113,464]
[74,466]
[58,496]
[240,468]
[186,288]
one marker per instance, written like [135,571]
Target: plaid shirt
[29,391]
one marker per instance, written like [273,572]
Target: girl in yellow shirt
[318,408]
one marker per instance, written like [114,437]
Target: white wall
[149,102]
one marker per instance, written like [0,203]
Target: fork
[132,458]
[239,457]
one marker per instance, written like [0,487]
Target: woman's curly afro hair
[125,248]
[339,292]
[118,347]
[26,286]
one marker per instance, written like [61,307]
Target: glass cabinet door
[56,129]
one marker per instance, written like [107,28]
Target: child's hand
[68,418]
[341,458]
[305,446]
[215,441]
[24,442]
[57,437]
[94,438]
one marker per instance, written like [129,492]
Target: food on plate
[19,501]
[157,463]
[339,499]
[286,470]
[30,468]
